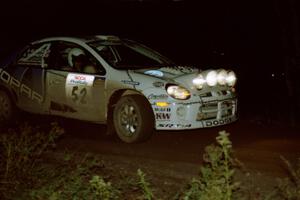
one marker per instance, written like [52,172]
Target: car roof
[80,40]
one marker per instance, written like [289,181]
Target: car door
[73,92]
[27,76]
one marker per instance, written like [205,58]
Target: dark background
[258,39]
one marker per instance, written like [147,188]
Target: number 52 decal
[79,95]
[78,88]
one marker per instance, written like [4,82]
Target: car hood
[179,73]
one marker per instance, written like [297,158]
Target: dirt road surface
[177,156]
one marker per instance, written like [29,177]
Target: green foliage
[76,181]
[101,189]
[144,185]
[20,150]
[216,178]
[289,187]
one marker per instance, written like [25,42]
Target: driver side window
[65,56]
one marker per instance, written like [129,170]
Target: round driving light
[199,81]
[211,78]
[231,78]
[221,77]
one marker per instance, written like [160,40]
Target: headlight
[231,78]
[221,77]
[178,92]
[211,78]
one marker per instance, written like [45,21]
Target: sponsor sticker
[130,82]
[80,79]
[156,73]
[175,125]
[158,96]
[162,109]
[162,116]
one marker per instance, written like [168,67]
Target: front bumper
[208,112]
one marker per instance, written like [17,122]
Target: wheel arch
[117,95]
[114,98]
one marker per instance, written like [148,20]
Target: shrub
[20,150]
[216,175]
[101,189]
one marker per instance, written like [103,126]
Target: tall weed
[144,185]
[216,175]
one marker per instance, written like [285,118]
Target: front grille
[216,109]
[227,108]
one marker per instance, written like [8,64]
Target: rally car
[105,79]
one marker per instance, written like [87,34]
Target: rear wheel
[133,119]
[7,108]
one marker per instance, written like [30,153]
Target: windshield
[128,54]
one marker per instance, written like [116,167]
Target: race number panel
[79,89]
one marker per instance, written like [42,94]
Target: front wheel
[133,119]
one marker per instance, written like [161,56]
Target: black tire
[7,108]
[133,119]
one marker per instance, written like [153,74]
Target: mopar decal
[23,89]
[5,77]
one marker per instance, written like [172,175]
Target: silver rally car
[104,79]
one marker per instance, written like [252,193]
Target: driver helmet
[75,53]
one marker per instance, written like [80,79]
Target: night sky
[243,31]
[246,36]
